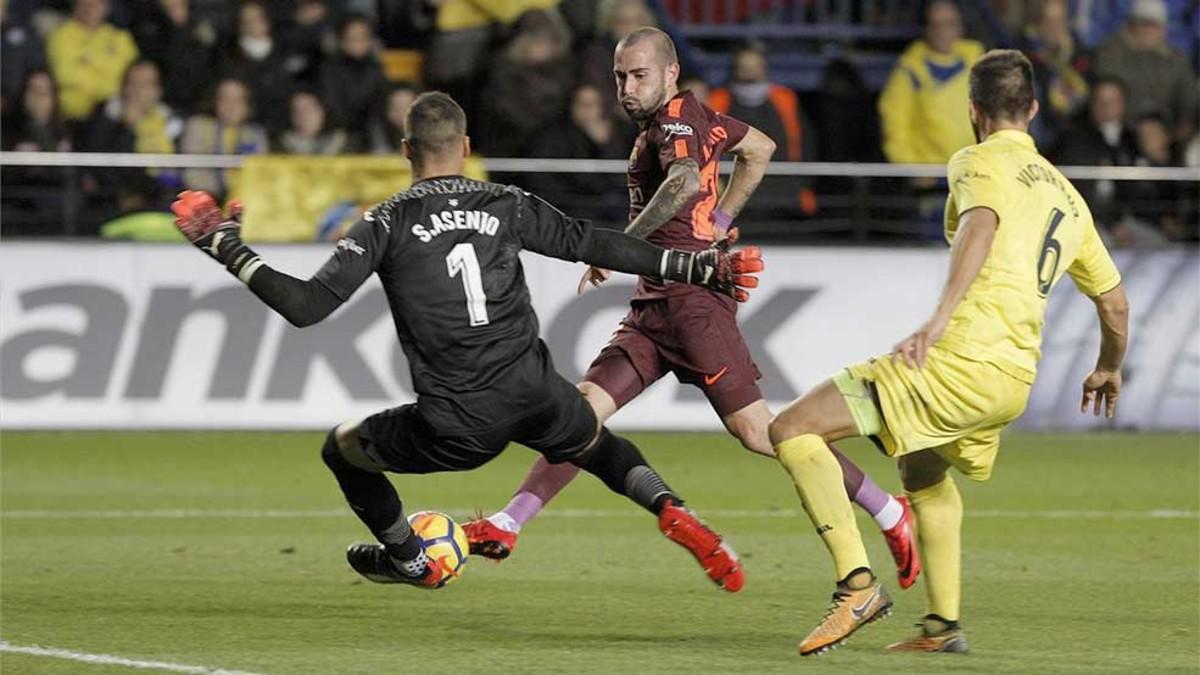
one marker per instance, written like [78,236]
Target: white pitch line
[108,660]
[1050,514]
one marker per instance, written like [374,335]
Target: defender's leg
[894,517]
[799,435]
[939,526]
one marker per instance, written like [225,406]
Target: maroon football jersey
[683,127]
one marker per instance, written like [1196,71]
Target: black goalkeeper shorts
[559,425]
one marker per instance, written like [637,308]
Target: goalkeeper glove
[717,267]
[199,218]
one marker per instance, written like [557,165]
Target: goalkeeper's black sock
[619,463]
[375,502]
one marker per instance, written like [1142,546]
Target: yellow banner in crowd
[298,198]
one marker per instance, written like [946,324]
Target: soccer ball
[445,542]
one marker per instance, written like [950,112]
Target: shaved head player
[672,328]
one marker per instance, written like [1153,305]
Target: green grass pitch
[225,550]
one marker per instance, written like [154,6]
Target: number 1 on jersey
[462,259]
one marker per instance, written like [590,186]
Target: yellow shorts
[954,406]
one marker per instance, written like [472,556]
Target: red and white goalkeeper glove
[200,219]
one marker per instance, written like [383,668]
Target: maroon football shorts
[694,335]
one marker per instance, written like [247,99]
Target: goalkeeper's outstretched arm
[546,230]
[301,302]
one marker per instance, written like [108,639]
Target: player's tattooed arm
[682,183]
[751,156]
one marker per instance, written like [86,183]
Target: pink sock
[541,484]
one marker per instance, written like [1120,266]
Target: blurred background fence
[299,199]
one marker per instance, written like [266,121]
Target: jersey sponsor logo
[447,221]
[348,244]
[677,129]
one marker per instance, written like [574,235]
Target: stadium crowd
[329,77]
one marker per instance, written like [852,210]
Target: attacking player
[1015,225]
[446,251]
[689,331]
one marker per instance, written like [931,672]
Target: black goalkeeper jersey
[446,250]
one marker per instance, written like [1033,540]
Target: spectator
[771,108]
[21,53]
[774,110]
[88,56]
[1158,77]
[308,133]
[846,123]
[182,45]
[590,132]
[227,131]
[1155,203]
[259,62]
[458,51]
[1100,138]
[34,198]
[353,79]
[387,130]
[309,37]
[923,107]
[529,84]
[35,123]
[1061,69]
[136,120]
[618,18]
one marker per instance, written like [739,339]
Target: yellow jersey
[1045,229]
[923,106]
[88,64]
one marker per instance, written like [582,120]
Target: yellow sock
[818,479]
[939,512]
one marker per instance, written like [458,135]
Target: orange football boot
[850,611]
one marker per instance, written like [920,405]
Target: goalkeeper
[446,251]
